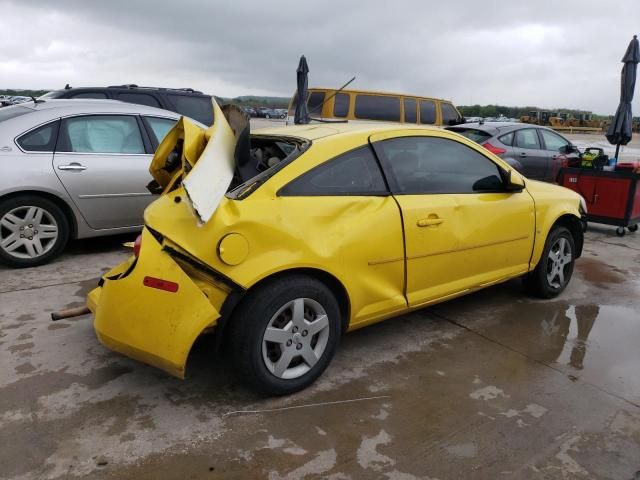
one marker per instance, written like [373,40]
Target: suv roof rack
[133,85]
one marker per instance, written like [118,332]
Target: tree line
[514,112]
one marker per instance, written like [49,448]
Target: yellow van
[363,105]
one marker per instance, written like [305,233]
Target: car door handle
[429,222]
[523,154]
[72,166]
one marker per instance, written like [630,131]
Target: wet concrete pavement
[493,385]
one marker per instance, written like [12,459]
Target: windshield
[7,113]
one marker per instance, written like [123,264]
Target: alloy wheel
[28,232]
[559,263]
[295,338]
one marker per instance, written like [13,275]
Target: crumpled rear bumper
[154,326]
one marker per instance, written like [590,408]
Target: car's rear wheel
[33,230]
[285,333]
[553,272]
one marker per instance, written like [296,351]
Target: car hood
[203,161]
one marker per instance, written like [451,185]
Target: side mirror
[512,183]
[568,149]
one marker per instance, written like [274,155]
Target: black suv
[185,101]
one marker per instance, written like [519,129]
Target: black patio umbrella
[619,132]
[302,77]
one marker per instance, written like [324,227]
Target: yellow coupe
[284,240]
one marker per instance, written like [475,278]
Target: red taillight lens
[493,149]
[160,284]
[137,245]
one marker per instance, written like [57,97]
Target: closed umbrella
[302,77]
[619,132]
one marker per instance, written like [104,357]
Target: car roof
[44,111]
[316,131]
[379,92]
[91,105]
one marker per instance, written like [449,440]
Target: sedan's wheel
[295,338]
[558,263]
[633,228]
[553,272]
[285,333]
[33,230]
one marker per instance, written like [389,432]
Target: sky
[522,53]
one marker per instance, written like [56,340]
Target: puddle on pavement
[598,272]
[596,343]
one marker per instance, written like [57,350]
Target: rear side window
[377,107]
[449,114]
[102,134]
[7,113]
[314,103]
[353,173]
[97,95]
[160,127]
[477,136]
[137,98]
[42,139]
[507,139]
[341,105]
[427,112]
[527,138]
[410,110]
[198,108]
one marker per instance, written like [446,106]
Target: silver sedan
[73,169]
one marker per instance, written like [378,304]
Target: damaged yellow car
[282,240]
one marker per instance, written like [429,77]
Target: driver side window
[432,165]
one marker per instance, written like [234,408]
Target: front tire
[285,333]
[553,272]
[33,231]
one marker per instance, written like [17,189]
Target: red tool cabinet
[613,198]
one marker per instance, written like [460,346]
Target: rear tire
[553,272]
[633,228]
[284,334]
[33,231]
[620,231]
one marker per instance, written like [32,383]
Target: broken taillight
[136,246]
[492,149]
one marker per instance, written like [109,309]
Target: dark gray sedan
[536,152]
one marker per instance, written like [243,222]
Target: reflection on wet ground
[598,343]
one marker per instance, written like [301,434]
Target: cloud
[545,53]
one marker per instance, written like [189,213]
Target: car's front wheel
[33,230]
[553,272]
[285,333]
